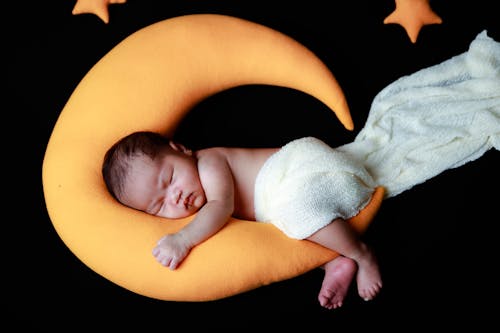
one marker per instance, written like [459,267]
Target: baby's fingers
[174,262]
[165,260]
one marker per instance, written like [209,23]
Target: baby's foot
[338,276]
[368,279]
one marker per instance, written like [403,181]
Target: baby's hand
[171,250]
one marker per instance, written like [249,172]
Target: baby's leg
[340,237]
[338,276]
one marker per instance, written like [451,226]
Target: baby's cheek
[198,203]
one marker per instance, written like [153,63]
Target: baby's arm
[217,181]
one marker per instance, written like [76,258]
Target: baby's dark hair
[117,159]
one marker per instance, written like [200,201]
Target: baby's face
[168,186]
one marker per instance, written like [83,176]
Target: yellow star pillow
[97,7]
[412,15]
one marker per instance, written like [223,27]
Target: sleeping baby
[306,189]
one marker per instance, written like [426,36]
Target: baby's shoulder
[213,154]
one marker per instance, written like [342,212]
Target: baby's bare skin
[339,274]
[340,237]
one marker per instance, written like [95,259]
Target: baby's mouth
[187,200]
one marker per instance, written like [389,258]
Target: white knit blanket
[435,119]
[438,118]
[307,184]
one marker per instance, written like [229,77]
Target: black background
[436,243]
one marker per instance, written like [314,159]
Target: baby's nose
[174,196]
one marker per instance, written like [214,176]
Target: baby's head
[138,171]
[119,158]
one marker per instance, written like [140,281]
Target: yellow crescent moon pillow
[149,81]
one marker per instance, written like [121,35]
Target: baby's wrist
[185,239]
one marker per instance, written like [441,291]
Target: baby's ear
[180,148]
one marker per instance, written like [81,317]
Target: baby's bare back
[245,164]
